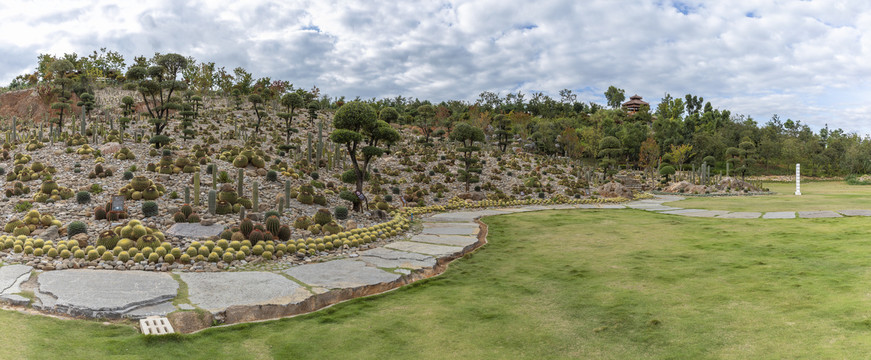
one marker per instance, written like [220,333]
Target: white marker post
[798,179]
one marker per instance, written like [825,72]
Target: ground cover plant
[815,195]
[564,284]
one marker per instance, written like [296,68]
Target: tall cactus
[239,177]
[213,195]
[187,195]
[197,188]
[320,143]
[214,176]
[287,193]
[308,150]
[255,196]
[14,129]
[83,124]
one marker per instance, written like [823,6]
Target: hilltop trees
[615,96]
[356,125]
[156,84]
[467,135]
[255,100]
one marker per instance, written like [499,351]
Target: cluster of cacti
[32,221]
[134,234]
[140,187]
[169,166]
[229,201]
[86,150]
[17,188]
[50,190]
[34,145]
[22,172]
[76,140]
[124,154]
[305,195]
[99,172]
[39,247]
[186,214]
[256,232]
[241,158]
[105,213]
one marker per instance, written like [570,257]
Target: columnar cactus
[213,195]
[255,196]
[197,188]
[239,178]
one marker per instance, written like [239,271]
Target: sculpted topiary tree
[389,114]
[609,150]
[255,100]
[290,101]
[356,126]
[156,84]
[87,101]
[425,119]
[468,135]
[60,69]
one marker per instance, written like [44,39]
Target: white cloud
[755,58]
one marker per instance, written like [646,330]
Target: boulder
[186,322]
[614,189]
[472,196]
[82,239]
[110,148]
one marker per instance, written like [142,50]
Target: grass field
[603,284]
[817,195]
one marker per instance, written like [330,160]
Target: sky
[802,60]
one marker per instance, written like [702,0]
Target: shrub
[315,175]
[341,212]
[76,227]
[83,197]
[149,208]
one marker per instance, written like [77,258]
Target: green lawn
[590,284]
[817,195]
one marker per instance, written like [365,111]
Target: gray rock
[818,214]
[194,231]
[450,228]
[779,215]
[96,293]
[218,291]
[855,212]
[453,240]
[11,277]
[421,248]
[15,299]
[386,258]
[343,273]
[741,215]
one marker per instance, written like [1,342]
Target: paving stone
[194,231]
[386,258]
[11,276]
[818,214]
[741,215]
[450,228]
[186,307]
[462,216]
[154,310]
[855,212]
[680,211]
[217,291]
[96,293]
[15,299]
[344,273]
[611,206]
[779,215]
[422,248]
[453,240]
[705,213]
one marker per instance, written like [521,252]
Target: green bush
[341,212]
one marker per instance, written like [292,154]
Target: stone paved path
[255,295]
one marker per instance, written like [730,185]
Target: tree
[127,108]
[389,114]
[290,101]
[59,71]
[87,101]
[503,131]
[255,100]
[425,118]
[156,84]
[615,96]
[468,135]
[355,125]
[680,154]
[648,155]
[312,111]
[609,150]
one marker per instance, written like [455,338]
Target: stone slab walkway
[255,295]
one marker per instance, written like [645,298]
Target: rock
[207,222]
[254,216]
[261,172]
[110,148]
[350,225]
[82,239]
[51,233]
[614,189]
[186,322]
[378,215]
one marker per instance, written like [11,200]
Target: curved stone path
[234,297]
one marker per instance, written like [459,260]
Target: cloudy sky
[805,60]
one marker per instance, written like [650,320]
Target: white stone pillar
[798,179]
